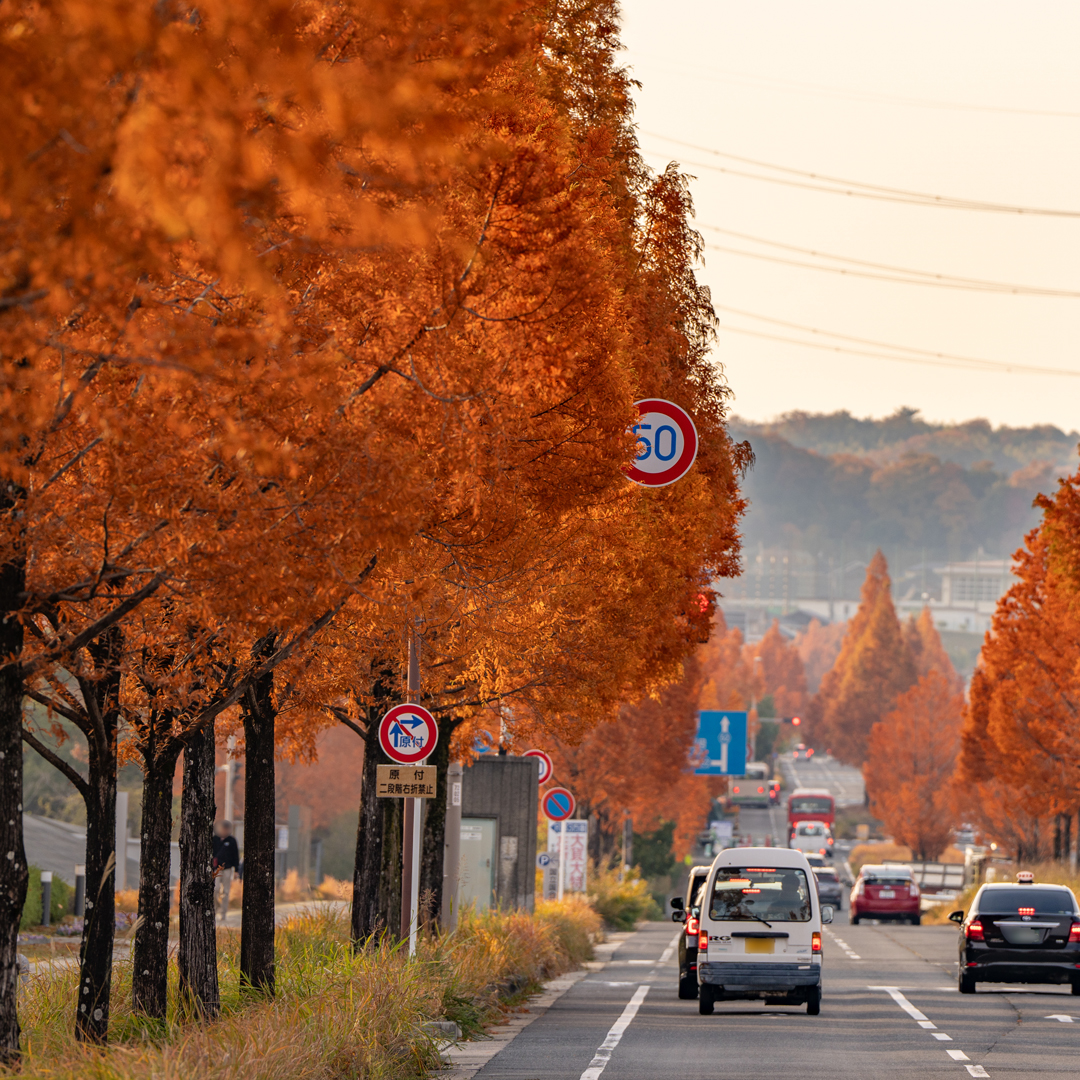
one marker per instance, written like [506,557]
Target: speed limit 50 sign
[667,443]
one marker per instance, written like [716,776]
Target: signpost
[720,747]
[547,769]
[407,734]
[558,805]
[667,443]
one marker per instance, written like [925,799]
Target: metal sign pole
[562,857]
[410,853]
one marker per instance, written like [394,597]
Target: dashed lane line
[614,1036]
[665,956]
[924,1022]
[848,950]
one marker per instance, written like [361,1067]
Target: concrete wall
[507,789]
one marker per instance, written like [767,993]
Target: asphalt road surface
[822,771]
[890,1009]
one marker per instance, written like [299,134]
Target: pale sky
[816,87]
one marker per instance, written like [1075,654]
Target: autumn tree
[872,670]
[911,755]
[1022,722]
[781,672]
[927,653]
[819,646]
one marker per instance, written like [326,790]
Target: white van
[760,930]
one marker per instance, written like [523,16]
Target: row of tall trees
[1019,765]
[320,328]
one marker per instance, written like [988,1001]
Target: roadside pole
[451,846]
[407,735]
[562,858]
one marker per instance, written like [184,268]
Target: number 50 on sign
[667,443]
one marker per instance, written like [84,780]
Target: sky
[957,98]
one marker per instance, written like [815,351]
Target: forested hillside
[824,479]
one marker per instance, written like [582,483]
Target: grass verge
[337,1014]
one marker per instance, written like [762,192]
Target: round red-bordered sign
[408,733]
[558,804]
[547,769]
[667,443]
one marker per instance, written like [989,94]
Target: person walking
[226,862]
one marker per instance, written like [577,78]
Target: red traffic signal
[796,721]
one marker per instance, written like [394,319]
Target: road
[822,771]
[890,1009]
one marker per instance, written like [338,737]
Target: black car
[688,911]
[1020,933]
[830,888]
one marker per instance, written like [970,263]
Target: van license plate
[760,945]
[887,894]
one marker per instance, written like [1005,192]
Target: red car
[886,893]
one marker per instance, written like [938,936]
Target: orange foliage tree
[871,672]
[1020,761]
[911,756]
[780,671]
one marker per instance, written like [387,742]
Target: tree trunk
[1057,838]
[150,953]
[377,869]
[99,925]
[198,921]
[434,841]
[13,872]
[257,928]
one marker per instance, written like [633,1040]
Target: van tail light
[816,942]
[703,942]
[693,925]
[761,791]
[1074,933]
[974,931]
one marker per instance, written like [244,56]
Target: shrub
[621,904]
[63,900]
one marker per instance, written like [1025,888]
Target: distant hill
[1006,449]
[901,483]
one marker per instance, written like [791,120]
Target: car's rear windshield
[1026,900]
[753,893]
[828,875]
[887,879]
[808,804]
[697,887]
[811,830]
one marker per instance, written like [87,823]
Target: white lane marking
[665,956]
[939,1035]
[976,1070]
[906,1005]
[641,961]
[851,954]
[603,1052]
[614,984]
[957,1055]
[929,1025]
[1062,1017]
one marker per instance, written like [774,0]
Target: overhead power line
[881,350]
[836,185]
[901,274]
[771,82]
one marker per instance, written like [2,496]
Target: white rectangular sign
[577,852]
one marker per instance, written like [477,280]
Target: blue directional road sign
[720,747]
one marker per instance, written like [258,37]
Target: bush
[63,900]
[621,904]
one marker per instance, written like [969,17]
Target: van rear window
[697,888]
[753,894]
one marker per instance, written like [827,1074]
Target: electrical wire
[854,187]
[771,82]
[902,353]
[939,281]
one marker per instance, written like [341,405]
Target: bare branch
[57,762]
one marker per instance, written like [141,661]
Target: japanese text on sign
[406,781]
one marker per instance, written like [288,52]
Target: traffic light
[796,721]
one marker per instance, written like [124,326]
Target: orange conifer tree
[872,670]
[911,755]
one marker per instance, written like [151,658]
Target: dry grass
[890,852]
[1050,872]
[338,1015]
